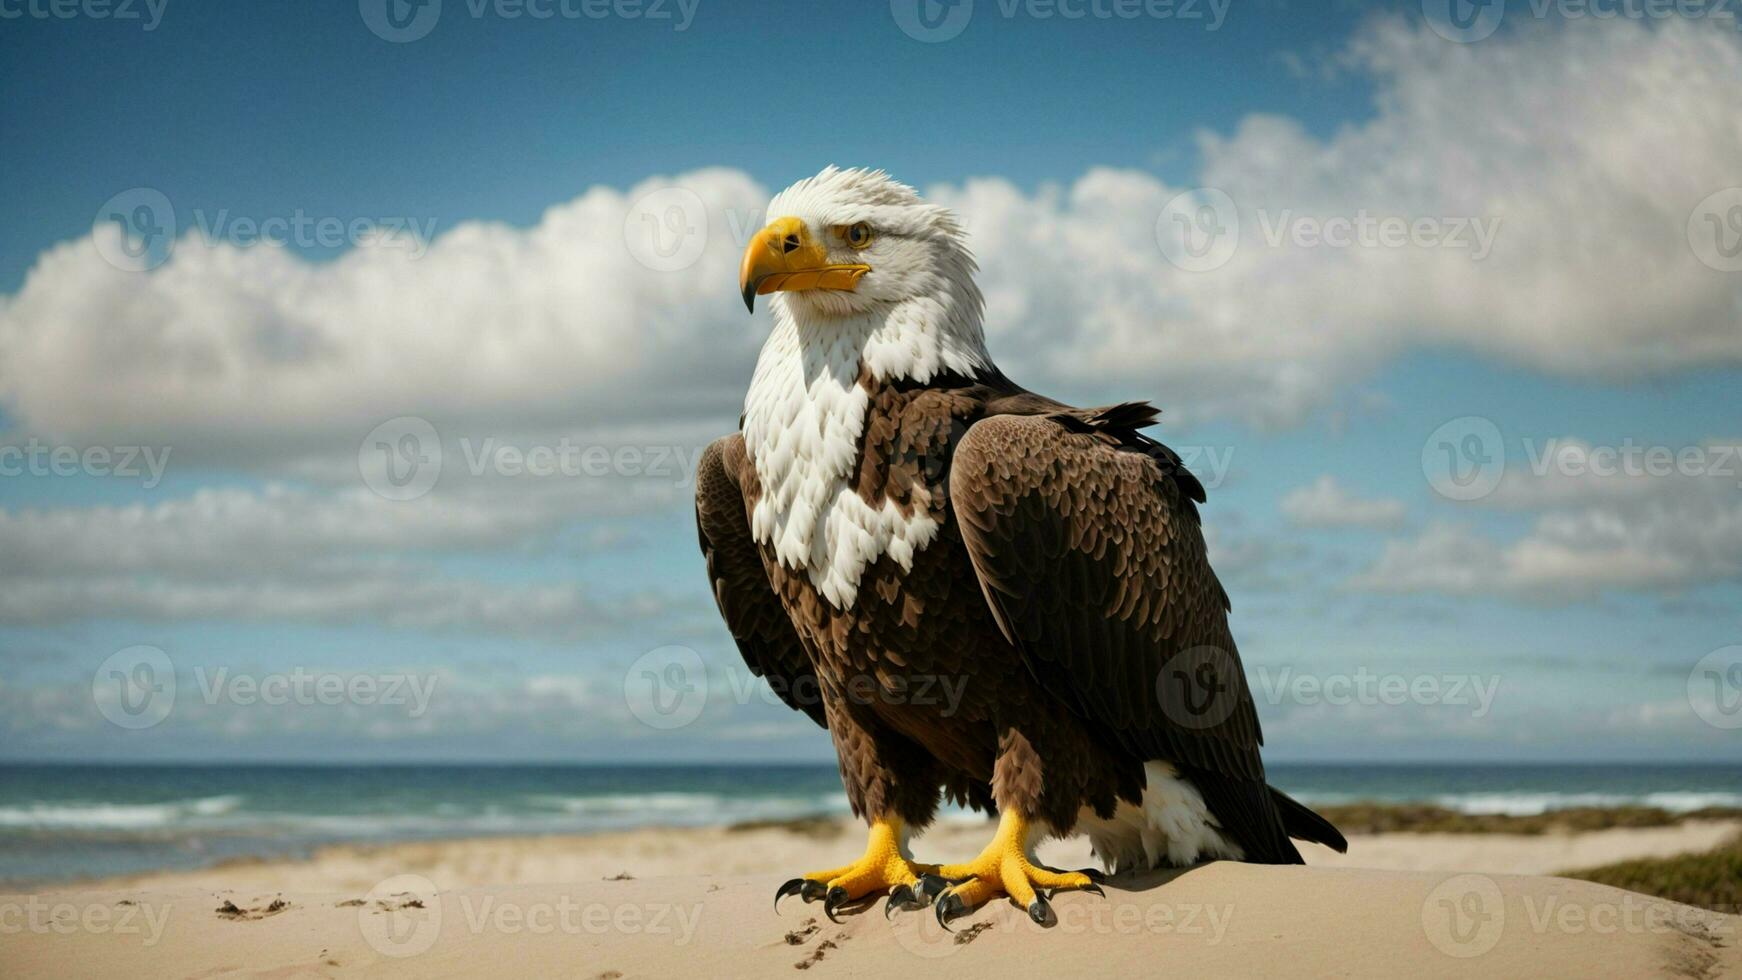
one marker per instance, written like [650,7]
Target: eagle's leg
[1027,811]
[885,866]
[1007,867]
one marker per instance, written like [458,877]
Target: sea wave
[74,815]
[1530,804]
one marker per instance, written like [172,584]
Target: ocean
[61,822]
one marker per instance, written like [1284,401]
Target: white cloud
[1557,135]
[1327,503]
[1594,532]
[287,554]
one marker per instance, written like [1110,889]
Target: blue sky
[1307,378]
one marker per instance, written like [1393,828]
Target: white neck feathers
[804,417]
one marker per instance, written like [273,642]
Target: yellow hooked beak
[783,256]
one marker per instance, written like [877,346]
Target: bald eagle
[982,593]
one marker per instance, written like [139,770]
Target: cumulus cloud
[255,352]
[1327,503]
[1551,140]
[1547,137]
[289,554]
[1657,529]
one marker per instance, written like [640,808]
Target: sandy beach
[697,902]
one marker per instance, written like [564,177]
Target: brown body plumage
[1023,661]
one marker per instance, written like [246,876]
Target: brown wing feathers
[1087,545]
[753,612]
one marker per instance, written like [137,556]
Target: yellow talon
[884,866]
[1005,867]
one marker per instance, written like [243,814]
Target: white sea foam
[115,816]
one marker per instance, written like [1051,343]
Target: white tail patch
[1171,825]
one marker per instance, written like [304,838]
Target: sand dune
[698,903]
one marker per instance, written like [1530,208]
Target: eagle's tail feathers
[1302,823]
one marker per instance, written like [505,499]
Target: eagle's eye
[858,235]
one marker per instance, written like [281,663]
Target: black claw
[1039,912]
[903,898]
[805,888]
[1096,876]
[948,907]
[1095,889]
[836,897]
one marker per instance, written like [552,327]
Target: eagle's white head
[855,257]
[864,277]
